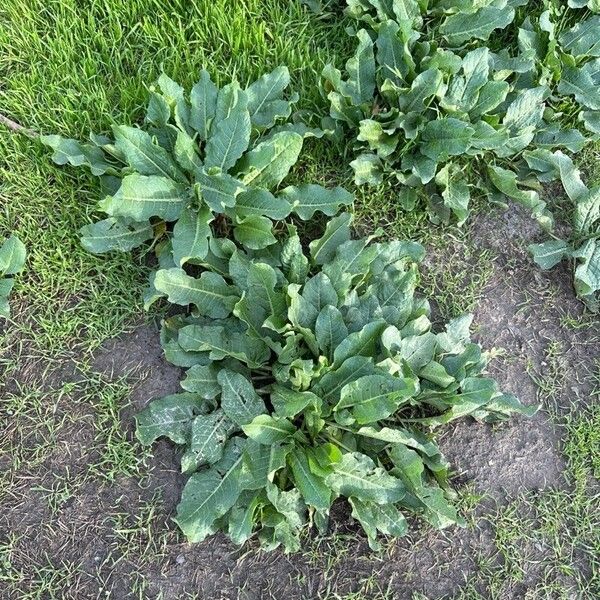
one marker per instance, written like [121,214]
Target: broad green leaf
[170,417]
[379,140]
[330,330]
[394,289]
[583,39]
[141,197]
[357,476]
[261,202]
[221,343]
[110,234]
[463,92]
[486,137]
[206,497]
[446,137]
[146,157]
[368,169]
[457,334]
[353,259]
[491,95]
[416,350]
[375,397]
[554,137]
[460,28]
[437,509]
[229,137]
[164,255]
[307,199]
[173,93]
[435,373]
[407,10]
[587,273]
[218,189]
[254,232]
[587,211]
[229,98]
[413,439]
[549,254]
[239,400]
[579,83]
[185,152]
[392,53]
[12,256]
[208,437]
[268,430]
[319,292]
[425,85]
[506,182]
[455,192]
[361,70]
[322,457]
[203,98]
[330,385]
[526,110]
[202,380]
[289,403]
[69,151]
[190,235]
[263,304]
[337,232]
[591,120]
[395,253]
[294,262]
[262,463]
[312,487]
[242,519]
[158,111]
[341,108]
[6,286]
[268,164]
[209,293]
[373,517]
[265,101]
[288,504]
[303,315]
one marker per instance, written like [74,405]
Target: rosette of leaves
[581,243]
[434,108]
[12,261]
[215,157]
[310,377]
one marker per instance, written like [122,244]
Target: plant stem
[16,128]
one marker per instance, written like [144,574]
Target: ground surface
[86,511]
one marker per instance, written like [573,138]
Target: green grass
[554,534]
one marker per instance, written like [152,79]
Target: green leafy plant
[582,244]
[310,376]
[434,108]
[314,377]
[211,161]
[12,261]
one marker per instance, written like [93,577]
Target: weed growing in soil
[300,367]
[432,106]
[311,384]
